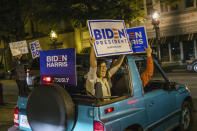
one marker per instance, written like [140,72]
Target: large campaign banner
[35,48]
[138,39]
[111,37]
[18,48]
[60,65]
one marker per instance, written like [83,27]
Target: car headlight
[187,88]
[190,61]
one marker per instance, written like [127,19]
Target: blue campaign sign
[60,65]
[138,39]
[35,48]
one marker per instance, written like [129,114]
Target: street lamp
[53,37]
[155,23]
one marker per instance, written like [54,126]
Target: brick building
[178,29]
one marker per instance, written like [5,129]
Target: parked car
[161,105]
[192,65]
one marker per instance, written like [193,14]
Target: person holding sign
[21,76]
[98,72]
[147,74]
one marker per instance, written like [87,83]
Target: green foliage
[14,14]
[106,9]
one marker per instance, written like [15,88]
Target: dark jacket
[20,71]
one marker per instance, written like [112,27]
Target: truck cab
[160,105]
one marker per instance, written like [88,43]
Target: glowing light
[53,35]
[155,15]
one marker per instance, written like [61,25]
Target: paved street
[188,78]
[11,91]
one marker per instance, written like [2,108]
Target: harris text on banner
[35,48]
[60,65]
[138,39]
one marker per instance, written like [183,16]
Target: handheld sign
[138,39]
[35,48]
[60,65]
[18,48]
[111,37]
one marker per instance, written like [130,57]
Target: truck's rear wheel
[50,108]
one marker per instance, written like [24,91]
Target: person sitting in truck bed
[99,74]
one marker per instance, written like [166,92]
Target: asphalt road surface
[10,97]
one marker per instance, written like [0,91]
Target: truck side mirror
[170,86]
[98,90]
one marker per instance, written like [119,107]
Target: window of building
[189,3]
[164,7]
[149,6]
[175,50]
[174,7]
[188,50]
[164,52]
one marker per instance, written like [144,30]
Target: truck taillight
[108,110]
[47,79]
[16,117]
[98,126]
[28,70]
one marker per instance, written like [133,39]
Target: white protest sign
[35,48]
[18,48]
[111,37]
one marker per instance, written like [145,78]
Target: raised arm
[147,74]
[117,65]
[93,61]
[120,60]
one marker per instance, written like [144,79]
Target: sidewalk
[10,92]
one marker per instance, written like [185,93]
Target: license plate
[24,122]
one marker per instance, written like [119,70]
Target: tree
[78,12]
[14,14]
[127,10]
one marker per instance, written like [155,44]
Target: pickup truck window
[120,81]
[156,82]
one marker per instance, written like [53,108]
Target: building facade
[178,29]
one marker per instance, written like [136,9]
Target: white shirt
[105,82]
